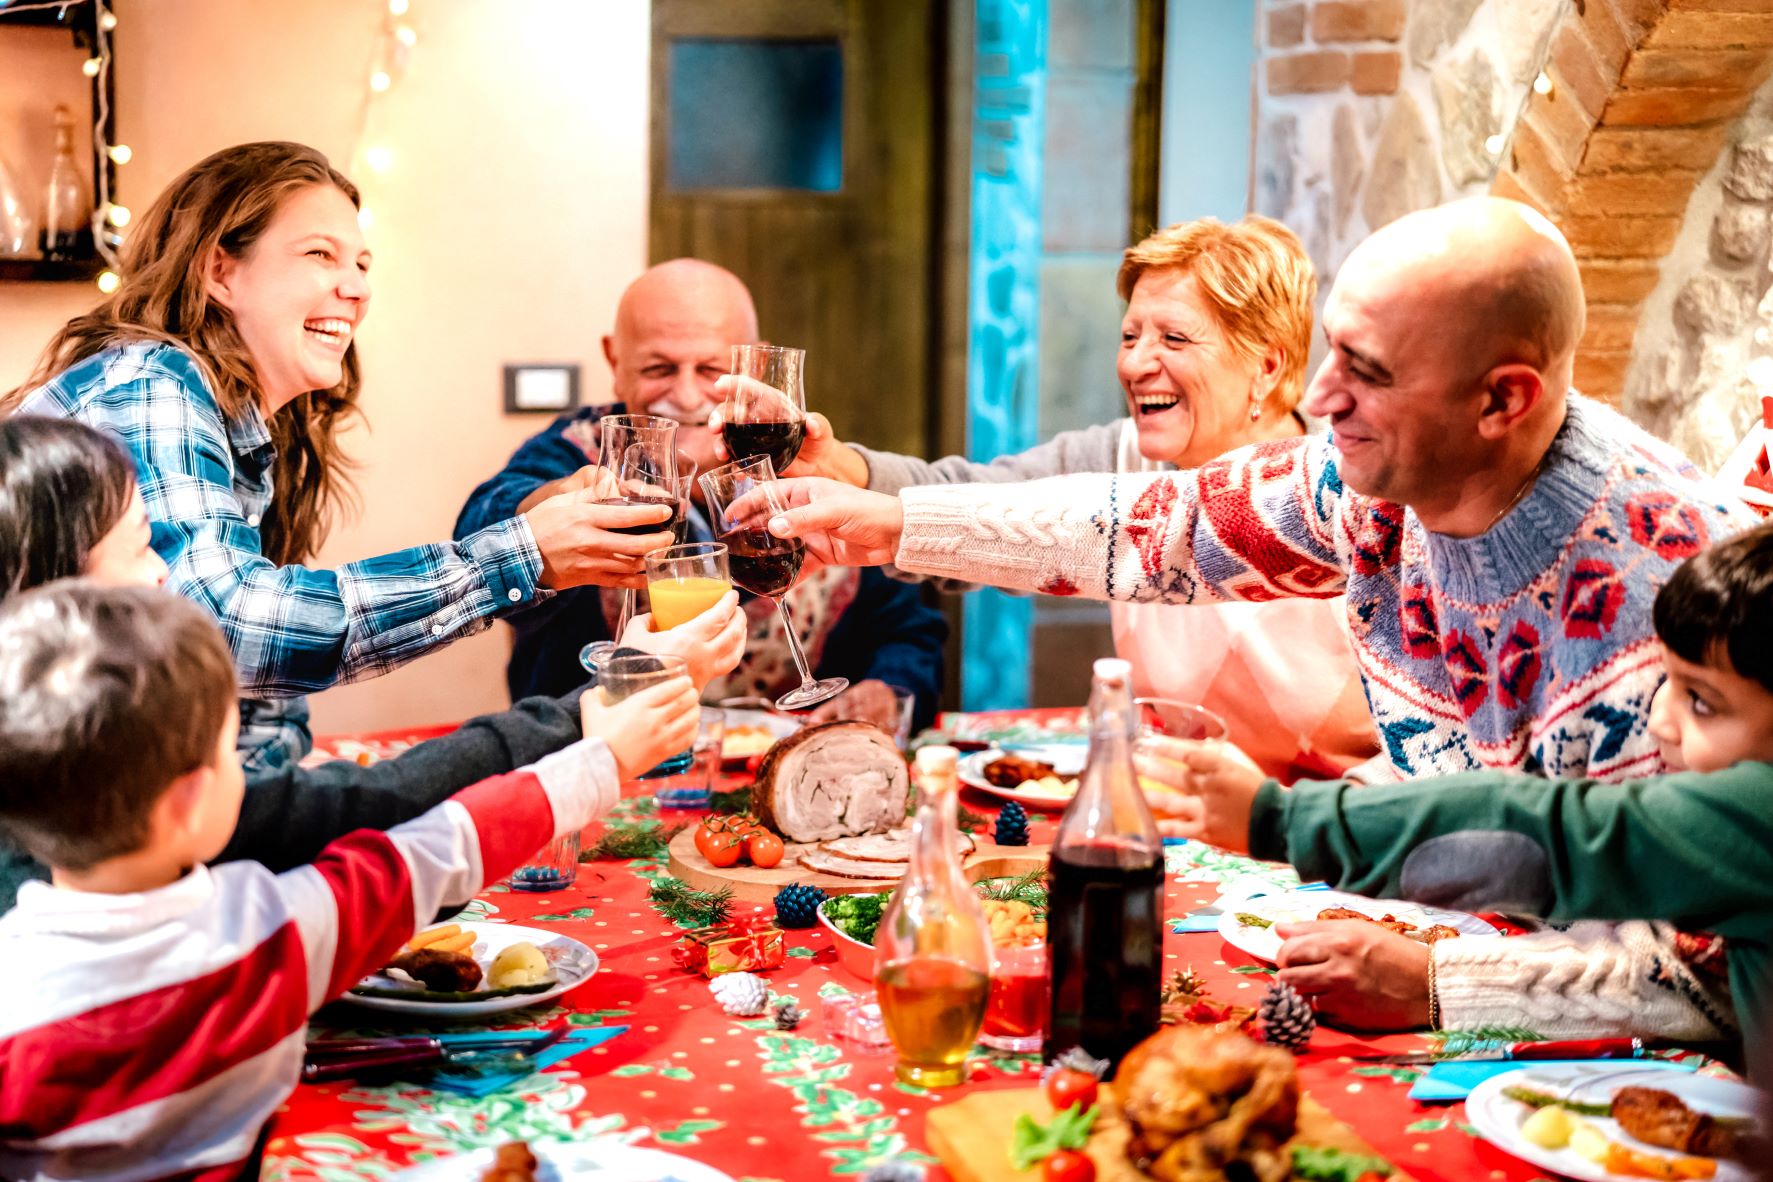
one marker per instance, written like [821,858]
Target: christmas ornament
[1012,825]
[788,1016]
[797,905]
[740,994]
[1285,1018]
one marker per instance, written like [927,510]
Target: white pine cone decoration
[1285,1018]
[743,995]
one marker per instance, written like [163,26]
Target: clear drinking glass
[1177,720]
[1016,1008]
[690,788]
[640,451]
[619,677]
[766,413]
[760,562]
[553,868]
[685,581]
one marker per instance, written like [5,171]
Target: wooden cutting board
[972,1137]
[755,885]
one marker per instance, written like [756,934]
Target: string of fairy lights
[390,55]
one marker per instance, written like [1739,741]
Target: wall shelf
[45,271]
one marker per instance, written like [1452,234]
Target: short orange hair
[1257,282]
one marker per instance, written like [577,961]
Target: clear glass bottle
[1105,902]
[932,966]
[67,216]
[18,226]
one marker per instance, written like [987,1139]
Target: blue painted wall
[1209,58]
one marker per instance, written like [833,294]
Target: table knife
[1577,1048]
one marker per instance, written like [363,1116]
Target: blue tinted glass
[756,115]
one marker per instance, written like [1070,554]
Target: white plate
[775,724]
[1067,760]
[1303,907]
[568,1161]
[1499,1119]
[573,965]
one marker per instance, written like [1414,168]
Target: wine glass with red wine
[741,500]
[640,451]
[766,413]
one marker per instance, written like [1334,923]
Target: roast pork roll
[831,781]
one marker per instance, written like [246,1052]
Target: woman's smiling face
[1188,391]
[298,293]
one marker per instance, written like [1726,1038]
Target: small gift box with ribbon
[746,943]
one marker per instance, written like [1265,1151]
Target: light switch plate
[541,388]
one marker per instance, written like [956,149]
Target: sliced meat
[891,846]
[827,863]
[836,780]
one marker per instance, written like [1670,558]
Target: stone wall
[1704,345]
[1368,109]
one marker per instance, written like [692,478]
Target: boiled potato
[1588,1141]
[519,964]
[1548,1128]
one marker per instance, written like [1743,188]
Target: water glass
[620,677]
[1016,1009]
[690,788]
[553,868]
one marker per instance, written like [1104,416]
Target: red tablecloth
[757,1102]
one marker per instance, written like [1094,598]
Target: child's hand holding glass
[646,726]
[1204,789]
[711,643]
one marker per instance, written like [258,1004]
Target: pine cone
[788,1016]
[1012,825]
[797,905]
[1286,1019]
[743,995]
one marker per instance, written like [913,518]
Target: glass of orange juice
[685,581]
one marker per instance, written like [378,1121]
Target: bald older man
[673,337]
[1499,540]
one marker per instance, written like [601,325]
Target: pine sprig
[725,803]
[623,842]
[970,822]
[1481,1038]
[685,906]
[1029,888]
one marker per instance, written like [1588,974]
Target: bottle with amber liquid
[932,966]
[67,218]
[1104,902]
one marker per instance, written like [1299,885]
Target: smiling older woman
[226,363]
[1212,357]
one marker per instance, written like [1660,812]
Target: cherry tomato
[720,845]
[764,849]
[1067,1086]
[1068,1165]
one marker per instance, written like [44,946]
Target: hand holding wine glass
[765,409]
[640,452]
[741,499]
[840,525]
[582,539]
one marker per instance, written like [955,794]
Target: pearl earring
[1255,411]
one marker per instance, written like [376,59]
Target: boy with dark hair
[1693,847]
[158,1008]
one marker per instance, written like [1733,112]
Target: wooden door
[795,143]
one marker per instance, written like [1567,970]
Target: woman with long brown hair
[226,364]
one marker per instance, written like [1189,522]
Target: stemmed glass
[741,500]
[766,413]
[640,451]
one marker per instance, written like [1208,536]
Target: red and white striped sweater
[151,1036]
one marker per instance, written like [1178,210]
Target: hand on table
[712,642]
[644,728]
[822,453]
[1206,789]
[866,701]
[573,534]
[1359,975]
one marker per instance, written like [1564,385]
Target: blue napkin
[478,1085]
[1454,1081]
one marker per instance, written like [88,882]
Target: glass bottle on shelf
[18,228]
[933,949]
[67,217]
[1104,917]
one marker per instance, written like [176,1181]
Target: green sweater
[1694,849]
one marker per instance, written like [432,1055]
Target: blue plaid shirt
[293,630]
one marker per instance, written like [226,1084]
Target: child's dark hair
[63,487]
[1720,603]
[107,695]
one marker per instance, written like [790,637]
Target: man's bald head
[1502,279]
[675,329]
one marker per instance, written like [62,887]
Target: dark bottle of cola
[1104,920]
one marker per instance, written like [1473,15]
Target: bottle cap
[1113,669]
[937,758]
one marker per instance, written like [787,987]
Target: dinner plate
[568,1161]
[1067,760]
[1303,907]
[573,965]
[778,726]
[1498,1119]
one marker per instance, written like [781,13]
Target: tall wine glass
[760,562]
[640,451]
[766,413]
